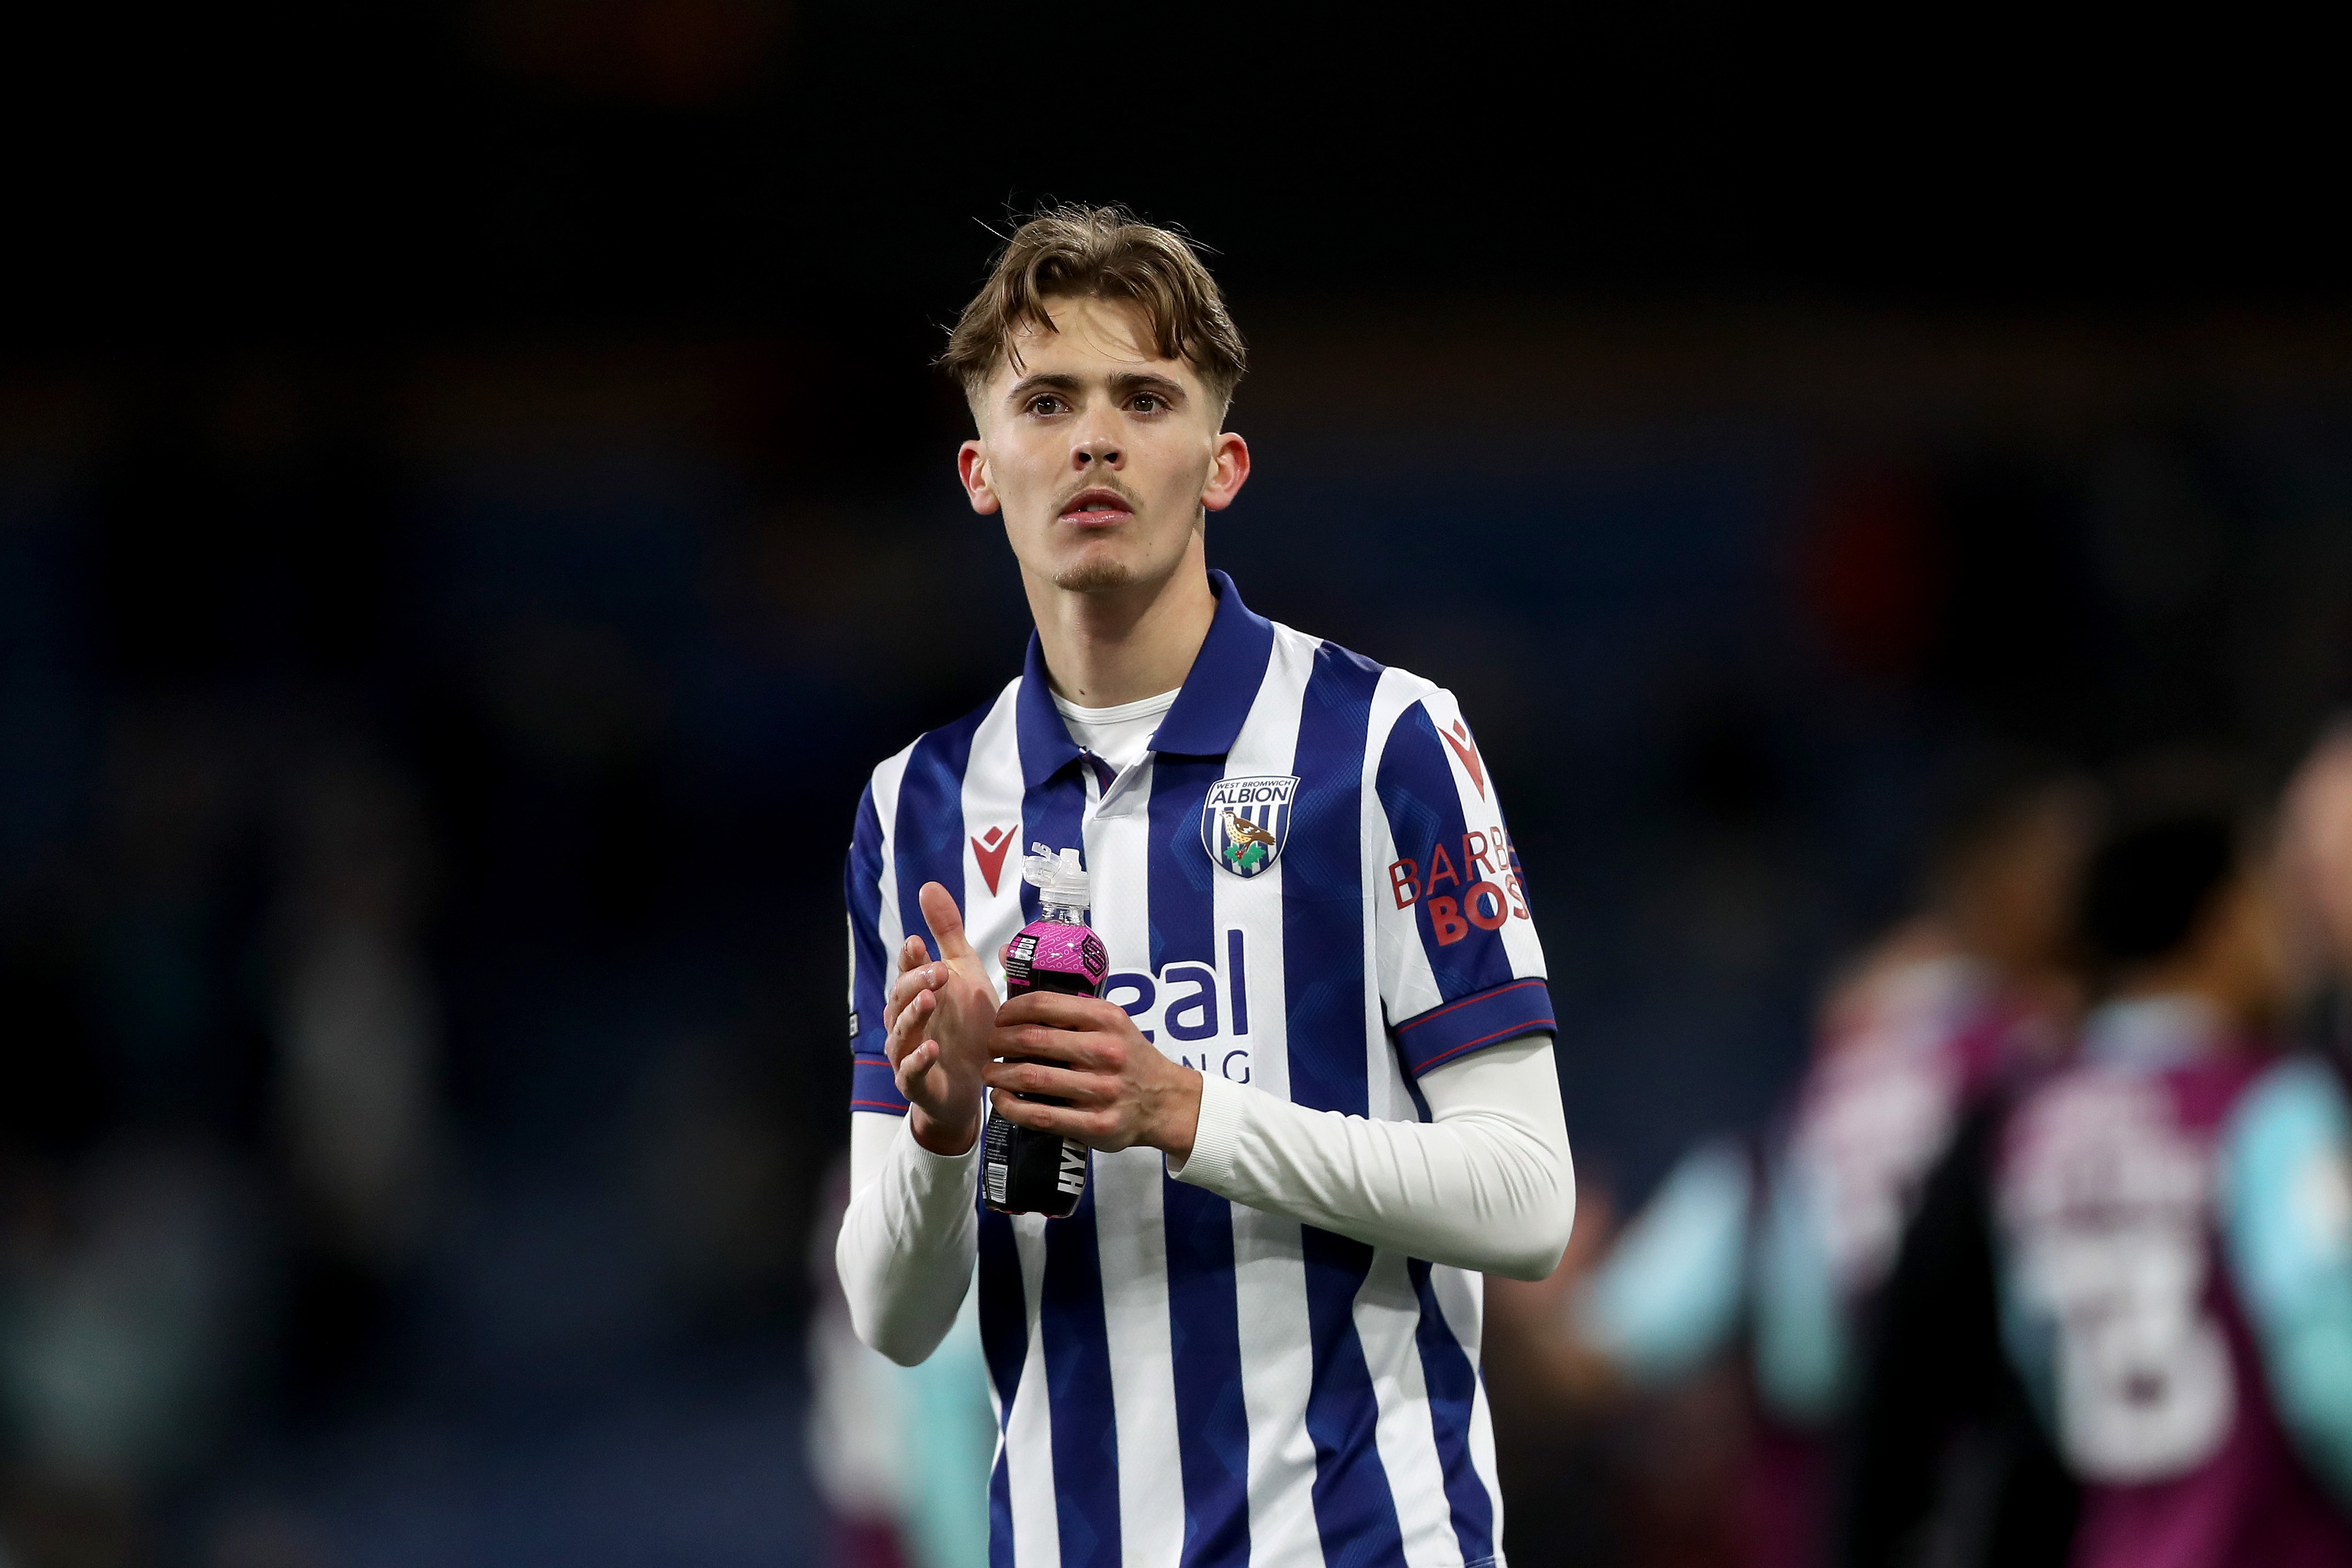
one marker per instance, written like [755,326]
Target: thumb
[945,921]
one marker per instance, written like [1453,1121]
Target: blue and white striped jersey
[1305,885]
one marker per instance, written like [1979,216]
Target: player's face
[2249,956]
[2019,888]
[1100,454]
[2316,852]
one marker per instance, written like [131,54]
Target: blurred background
[473,507]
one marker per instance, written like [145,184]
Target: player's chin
[1097,572]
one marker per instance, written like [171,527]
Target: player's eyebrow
[1042,382]
[1123,385]
[1127,383]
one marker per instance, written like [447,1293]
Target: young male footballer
[1318,1085]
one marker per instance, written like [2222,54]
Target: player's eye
[1046,403]
[1147,403]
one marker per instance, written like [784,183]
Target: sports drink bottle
[1021,1171]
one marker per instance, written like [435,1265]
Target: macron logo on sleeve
[990,853]
[1467,750]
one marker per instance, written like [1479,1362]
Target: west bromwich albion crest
[1244,821]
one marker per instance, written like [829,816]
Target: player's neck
[2186,976]
[1121,645]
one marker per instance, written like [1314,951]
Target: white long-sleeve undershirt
[1485,1183]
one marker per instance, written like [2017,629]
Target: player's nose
[1097,447]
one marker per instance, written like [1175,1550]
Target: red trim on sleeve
[1446,1033]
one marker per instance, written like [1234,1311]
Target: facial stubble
[1094,577]
[1101,576]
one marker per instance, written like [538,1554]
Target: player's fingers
[907,1028]
[1061,1010]
[908,1073]
[914,983]
[1060,1046]
[920,1010]
[945,921]
[1035,1117]
[1034,1078]
[1092,1128]
[912,956]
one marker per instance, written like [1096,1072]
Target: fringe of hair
[1101,253]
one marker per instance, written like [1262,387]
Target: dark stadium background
[476,466]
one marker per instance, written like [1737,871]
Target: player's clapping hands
[941,1017]
[946,1030]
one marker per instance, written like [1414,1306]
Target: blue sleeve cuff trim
[874,1087]
[1457,1029]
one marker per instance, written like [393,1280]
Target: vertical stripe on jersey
[1461,1297]
[1203,1310]
[1277,1359]
[990,797]
[1077,1377]
[1323,952]
[1070,1307]
[890,926]
[1004,1345]
[1030,1499]
[1323,889]
[1204,1342]
[1133,1250]
[1476,794]
[1387,1324]
[1354,1512]
[1183,883]
[1415,781]
[928,841]
[1451,1383]
[871,1087]
[991,803]
[1133,1255]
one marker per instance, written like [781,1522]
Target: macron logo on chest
[990,852]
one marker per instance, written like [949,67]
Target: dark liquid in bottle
[1023,1171]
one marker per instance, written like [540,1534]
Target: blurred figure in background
[1779,1251]
[900,1454]
[2174,1222]
[133,1254]
[260,1175]
[2316,873]
[355,1086]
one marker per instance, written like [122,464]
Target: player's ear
[1228,471]
[972,467]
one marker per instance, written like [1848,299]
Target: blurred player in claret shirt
[2174,1223]
[1780,1249]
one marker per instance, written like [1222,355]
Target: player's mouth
[1097,508]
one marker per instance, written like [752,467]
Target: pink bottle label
[1056,948]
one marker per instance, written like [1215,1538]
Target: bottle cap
[1058,879]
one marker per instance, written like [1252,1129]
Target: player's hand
[1121,1091]
[940,1014]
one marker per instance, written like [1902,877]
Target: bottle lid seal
[1058,878]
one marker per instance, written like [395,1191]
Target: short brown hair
[1100,253]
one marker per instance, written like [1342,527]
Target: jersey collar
[1209,711]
